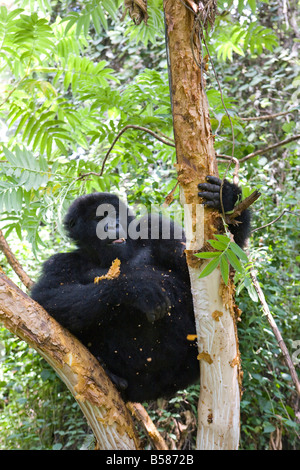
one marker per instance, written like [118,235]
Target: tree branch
[142,416]
[265,117]
[271,147]
[275,220]
[243,205]
[80,371]
[4,247]
[275,330]
[236,167]
[132,126]
[129,126]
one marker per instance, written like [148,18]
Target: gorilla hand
[153,302]
[210,192]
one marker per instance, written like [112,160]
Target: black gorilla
[137,323]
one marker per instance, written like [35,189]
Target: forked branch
[239,208]
[270,147]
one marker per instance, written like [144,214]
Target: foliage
[74,75]
[228,254]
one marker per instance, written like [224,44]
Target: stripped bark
[218,409]
[144,419]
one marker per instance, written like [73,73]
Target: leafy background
[73,74]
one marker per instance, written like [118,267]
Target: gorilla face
[98,223]
[112,224]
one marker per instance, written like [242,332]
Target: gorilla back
[136,324]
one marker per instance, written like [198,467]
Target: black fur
[136,324]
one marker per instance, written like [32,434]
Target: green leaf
[71,21]
[102,17]
[208,254]
[80,24]
[96,21]
[223,238]
[252,293]
[252,4]
[209,267]
[61,147]
[234,261]
[224,266]
[110,7]
[218,245]
[238,251]
[10,156]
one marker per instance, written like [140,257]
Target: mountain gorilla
[137,323]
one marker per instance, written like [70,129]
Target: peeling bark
[219,402]
[104,409]
[218,409]
[142,416]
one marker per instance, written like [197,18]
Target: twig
[13,89]
[275,330]
[275,220]
[271,147]
[170,139]
[142,416]
[85,175]
[4,247]
[139,128]
[129,126]
[243,205]
[265,117]
[170,197]
[236,167]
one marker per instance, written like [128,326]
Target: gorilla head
[98,224]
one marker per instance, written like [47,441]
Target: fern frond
[81,72]
[95,12]
[27,171]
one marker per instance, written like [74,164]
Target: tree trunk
[218,424]
[105,411]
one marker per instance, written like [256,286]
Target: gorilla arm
[67,297]
[77,305]
[166,249]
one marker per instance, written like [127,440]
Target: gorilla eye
[72,223]
[101,217]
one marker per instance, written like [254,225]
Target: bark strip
[218,409]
